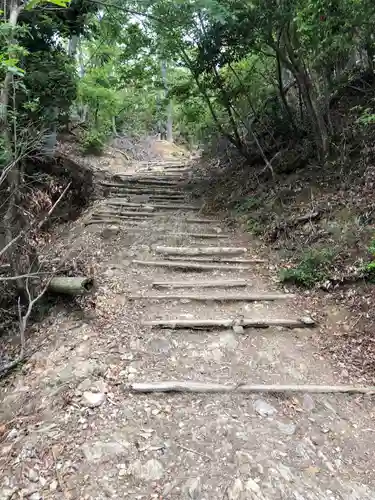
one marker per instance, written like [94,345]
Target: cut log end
[71,285]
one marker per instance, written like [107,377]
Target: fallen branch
[71,285]
[201,387]
[203,284]
[54,205]
[229,323]
[193,451]
[200,250]
[219,298]
[291,223]
[188,265]
[24,318]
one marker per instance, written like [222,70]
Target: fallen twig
[193,451]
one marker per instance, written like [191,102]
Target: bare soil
[72,428]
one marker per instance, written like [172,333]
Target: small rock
[53,486]
[251,485]
[35,496]
[131,369]
[7,493]
[85,385]
[235,490]
[93,399]
[152,470]
[264,409]
[33,475]
[95,451]
[110,231]
[288,429]
[238,329]
[99,386]
[308,402]
[12,434]
[308,321]
[192,488]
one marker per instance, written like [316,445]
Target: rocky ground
[73,425]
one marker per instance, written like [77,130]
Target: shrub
[93,141]
[312,268]
[248,204]
[369,268]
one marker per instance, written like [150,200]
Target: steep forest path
[175,291]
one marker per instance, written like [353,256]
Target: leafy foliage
[313,268]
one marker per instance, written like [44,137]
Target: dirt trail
[73,429]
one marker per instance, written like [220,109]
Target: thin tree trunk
[308,95]
[169,125]
[13,178]
[72,45]
[207,99]
[282,93]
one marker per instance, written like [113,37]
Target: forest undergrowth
[317,222]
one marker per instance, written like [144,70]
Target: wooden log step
[144,191]
[112,221]
[178,168]
[189,265]
[201,221]
[200,284]
[250,297]
[167,197]
[213,258]
[203,235]
[131,213]
[131,180]
[134,206]
[228,323]
[155,175]
[204,387]
[153,207]
[200,250]
[167,206]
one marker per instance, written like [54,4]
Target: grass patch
[369,267]
[247,205]
[313,268]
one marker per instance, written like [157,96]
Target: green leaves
[31,4]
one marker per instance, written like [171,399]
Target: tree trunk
[169,127]
[13,216]
[306,87]
[72,45]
